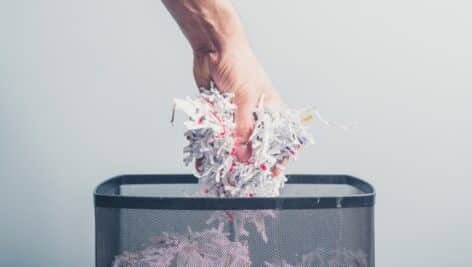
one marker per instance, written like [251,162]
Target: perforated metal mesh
[330,237]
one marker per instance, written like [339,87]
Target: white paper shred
[210,248]
[278,134]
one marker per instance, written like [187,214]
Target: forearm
[209,25]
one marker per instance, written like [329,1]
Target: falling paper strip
[240,218]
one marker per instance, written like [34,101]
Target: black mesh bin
[157,221]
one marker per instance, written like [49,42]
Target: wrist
[209,25]
[216,27]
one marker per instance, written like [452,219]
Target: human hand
[223,55]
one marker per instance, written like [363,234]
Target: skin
[222,54]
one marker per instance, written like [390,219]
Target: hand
[237,71]
[222,54]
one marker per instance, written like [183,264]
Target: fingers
[247,99]
[243,152]
[244,119]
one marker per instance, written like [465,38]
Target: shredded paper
[210,248]
[327,258]
[278,134]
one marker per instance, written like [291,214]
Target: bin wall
[331,237]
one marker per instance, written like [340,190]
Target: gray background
[86,90]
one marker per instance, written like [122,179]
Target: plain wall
[86,89]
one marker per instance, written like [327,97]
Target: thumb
[201,70]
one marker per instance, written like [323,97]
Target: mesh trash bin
[156,220]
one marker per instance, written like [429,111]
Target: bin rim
[106,195]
